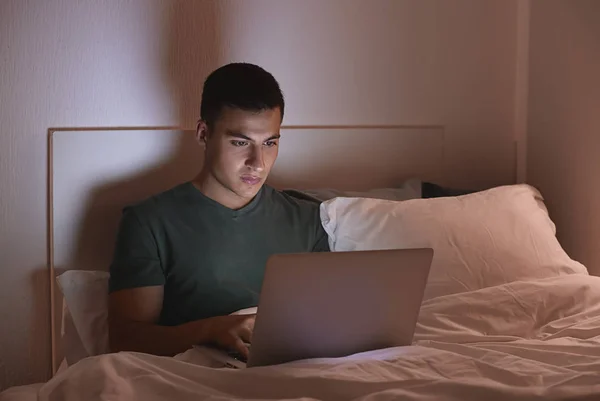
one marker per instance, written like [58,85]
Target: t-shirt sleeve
[322,244]
[322,239]
[136,262]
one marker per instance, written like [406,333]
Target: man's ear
[201,132]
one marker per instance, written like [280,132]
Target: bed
[507,314]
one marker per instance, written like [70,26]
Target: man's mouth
[250,179]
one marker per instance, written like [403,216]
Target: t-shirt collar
[234,213]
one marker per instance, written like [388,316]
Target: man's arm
[133,326]
[136,284]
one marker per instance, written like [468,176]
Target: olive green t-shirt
[209,258]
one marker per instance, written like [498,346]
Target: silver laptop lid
[332,304]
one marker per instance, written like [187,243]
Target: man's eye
[270,143]
[239,143]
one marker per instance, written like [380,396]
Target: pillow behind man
[431,190]
[410,189]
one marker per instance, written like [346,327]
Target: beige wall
[142,62]
[564,120]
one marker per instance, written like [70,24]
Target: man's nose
[256,159]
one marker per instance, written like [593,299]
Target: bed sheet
[531,340]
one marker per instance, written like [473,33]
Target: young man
[188,257]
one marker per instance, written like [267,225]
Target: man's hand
[232,332]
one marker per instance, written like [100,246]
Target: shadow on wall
[190,51]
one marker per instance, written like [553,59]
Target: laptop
[335,304]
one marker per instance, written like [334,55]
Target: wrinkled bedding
[528,340]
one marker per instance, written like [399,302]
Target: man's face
[241,148]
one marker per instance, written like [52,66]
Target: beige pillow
[480,240]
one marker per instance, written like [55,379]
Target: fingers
[235,332]
[245,328]
[245,334]
[240,347]
[249,326]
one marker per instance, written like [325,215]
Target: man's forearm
[158,340]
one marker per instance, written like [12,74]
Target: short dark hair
[239,85]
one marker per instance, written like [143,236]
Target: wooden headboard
[94,172]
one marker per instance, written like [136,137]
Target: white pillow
[86,297]
[480,240]
[70,341]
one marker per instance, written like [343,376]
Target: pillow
[86,297]
[410,189]
[480,240]
[431,190]
[70,341]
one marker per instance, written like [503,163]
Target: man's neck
[210,187]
